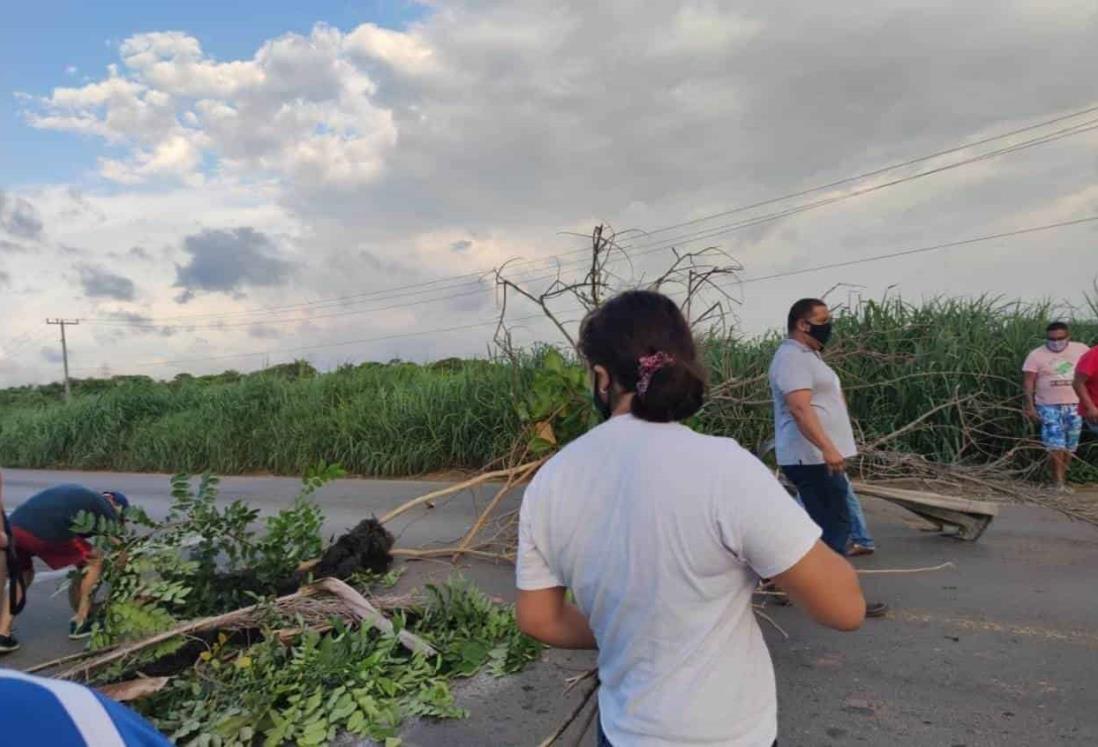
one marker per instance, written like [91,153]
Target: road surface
[1001,650]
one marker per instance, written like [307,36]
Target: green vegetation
[898,362]
[348,680]
[274,677]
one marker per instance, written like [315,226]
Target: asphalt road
[1001,650]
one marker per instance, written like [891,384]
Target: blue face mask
[1056,346]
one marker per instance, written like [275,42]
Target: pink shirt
[1055,372]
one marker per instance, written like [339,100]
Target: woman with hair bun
[662,534]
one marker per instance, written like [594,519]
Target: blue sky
[40,39]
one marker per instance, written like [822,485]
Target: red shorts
[55,554]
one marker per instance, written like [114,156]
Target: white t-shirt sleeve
[759,521]
[532,571]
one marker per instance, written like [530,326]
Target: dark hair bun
[638,324]
[674,393]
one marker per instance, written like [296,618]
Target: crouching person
[42,527]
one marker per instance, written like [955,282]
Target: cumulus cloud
[99,282]
[19,218]
[227,261]
[380,154]
[300,107]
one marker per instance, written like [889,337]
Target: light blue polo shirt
[796,366]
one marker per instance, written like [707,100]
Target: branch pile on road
[222,635]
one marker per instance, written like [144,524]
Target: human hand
[836,462]
[1091,414]
[3,540]
[1031,414]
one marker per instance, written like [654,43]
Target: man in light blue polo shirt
[813,433]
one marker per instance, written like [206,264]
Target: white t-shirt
[661,533]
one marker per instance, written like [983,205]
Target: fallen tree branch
[470,483]
[360,609]
[402,552]
[955,402]
[66,659]
[559,731]
[871,571]
[134,689]
[512,482]
[772,621]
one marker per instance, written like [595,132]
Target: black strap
[17,588]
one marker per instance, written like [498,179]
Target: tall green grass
[897,362]
[376,420]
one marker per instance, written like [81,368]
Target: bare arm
[1029,386]
[826,586]
[546,615]
[1090,408]
[800,406]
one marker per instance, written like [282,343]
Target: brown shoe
[855,550]
[876,609]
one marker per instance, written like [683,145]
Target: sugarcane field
[400,374]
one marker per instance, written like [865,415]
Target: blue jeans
[824,496]
[859,530]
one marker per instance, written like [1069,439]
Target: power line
[477,276]
[874,172]
[918,250]
[1088,126]
[643,249]
[760,278]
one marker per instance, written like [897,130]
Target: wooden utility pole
[65,351]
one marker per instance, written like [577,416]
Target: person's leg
[824,498]
[1073,431]
[92,571]
[1053,437]
[859,529]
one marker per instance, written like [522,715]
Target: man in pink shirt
[1049,373]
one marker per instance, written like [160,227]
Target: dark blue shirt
[49,515]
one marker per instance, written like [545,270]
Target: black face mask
[821,333]
[603,406]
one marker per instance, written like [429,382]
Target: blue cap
[120,498]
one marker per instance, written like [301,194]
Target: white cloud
[299,108]
[375,158]
[404,52]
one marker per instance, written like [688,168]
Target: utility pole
[65,352]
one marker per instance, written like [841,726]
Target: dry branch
[441,493]
[559,731]
[517,478]
[129,690]
[355,607]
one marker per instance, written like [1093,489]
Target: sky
[214,185]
